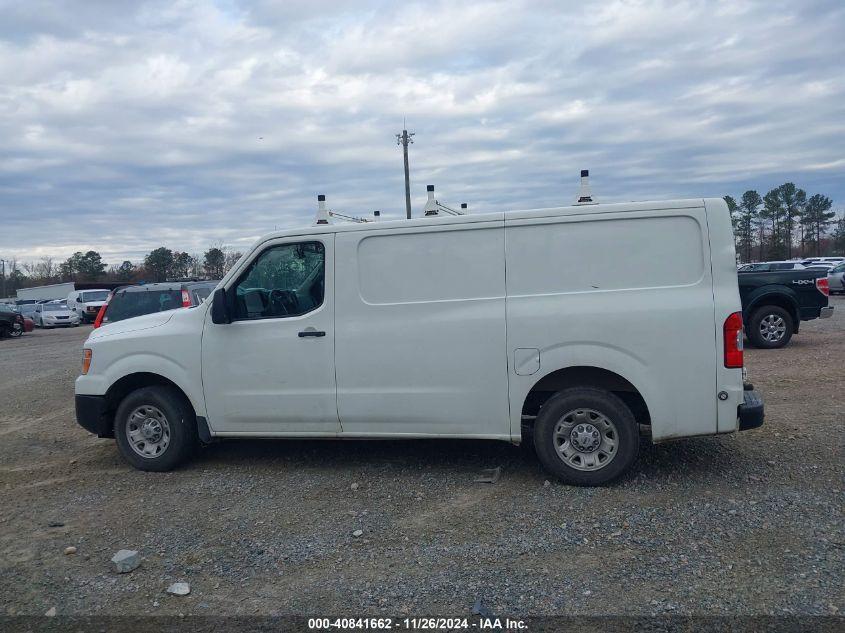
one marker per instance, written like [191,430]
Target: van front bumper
[750,413]
[91,415]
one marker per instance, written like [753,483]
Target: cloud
[130,125]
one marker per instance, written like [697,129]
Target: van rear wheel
[155,428]
[586,436]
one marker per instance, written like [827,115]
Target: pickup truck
[774,303]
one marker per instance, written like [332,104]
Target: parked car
[87,303]
[11,321]
[55,314]
[28,310]
[411,329]
[816,260]
[131,301]
[28,324]
[774,303]
[761,267]
[825,266]
[836,278]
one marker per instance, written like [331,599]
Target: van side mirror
[219,307]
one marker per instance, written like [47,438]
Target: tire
[580,413]
[771,327]
[165,413]
[17,329]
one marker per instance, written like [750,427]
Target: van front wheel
[155,428]
[586,436]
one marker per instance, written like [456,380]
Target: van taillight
[823,285]
[186,299]
[733,341]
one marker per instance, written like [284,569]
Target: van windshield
[97,295]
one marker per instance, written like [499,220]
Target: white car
[87,303]
[817,260]
[54,314]
[763,267]
[820,266]
[836,278]
[498,326]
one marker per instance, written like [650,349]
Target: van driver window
[284,281]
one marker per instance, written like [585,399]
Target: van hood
[144,322]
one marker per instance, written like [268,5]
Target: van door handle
[316,333]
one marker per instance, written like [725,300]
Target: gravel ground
[740,525]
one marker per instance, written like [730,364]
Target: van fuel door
[526,361]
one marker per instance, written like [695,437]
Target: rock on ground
[126,560]
[179,589]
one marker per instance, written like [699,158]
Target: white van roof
[574,210]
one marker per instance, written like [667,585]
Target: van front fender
[185,378]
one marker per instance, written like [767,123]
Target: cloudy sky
[128,125]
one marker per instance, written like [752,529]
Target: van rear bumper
[750,413]
[91,415]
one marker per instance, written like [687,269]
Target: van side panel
[726,301]
[420,331]
[627,292]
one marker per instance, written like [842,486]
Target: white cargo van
[562,326]
[87,303]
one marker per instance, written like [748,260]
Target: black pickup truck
[774,303]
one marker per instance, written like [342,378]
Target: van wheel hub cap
[585,439]
[148,431]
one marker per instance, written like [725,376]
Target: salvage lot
[743,524]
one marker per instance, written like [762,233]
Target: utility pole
[3,277]
[404,140]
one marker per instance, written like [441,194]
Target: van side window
[283,281]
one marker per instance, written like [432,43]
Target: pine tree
[792,201]
[817,217]
[773,211]
[839,236]
[159,263]
[748,215]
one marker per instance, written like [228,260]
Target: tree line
[785,224]
[160,264]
